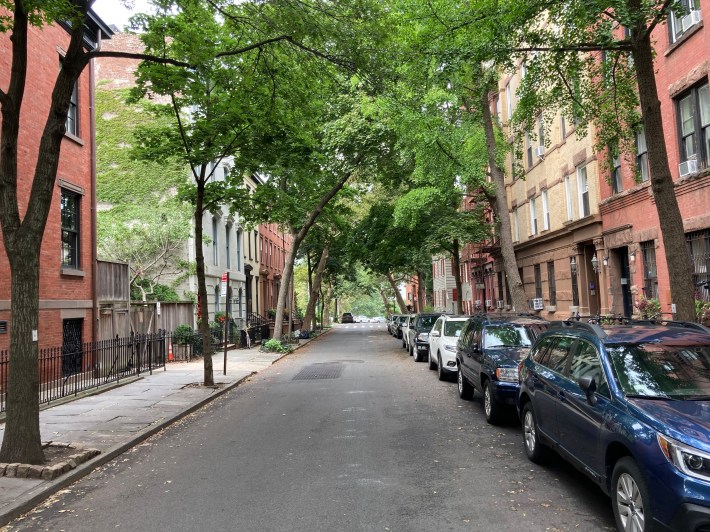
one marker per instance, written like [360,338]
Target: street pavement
[116,420]
[348,434]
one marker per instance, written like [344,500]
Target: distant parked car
[488,353]
[405,331]
[347,318]
[628,405]
[442,344]
[392,324]
[401,319]
[418,335]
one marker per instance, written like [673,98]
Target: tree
[22,236]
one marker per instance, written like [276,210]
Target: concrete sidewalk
[118,419]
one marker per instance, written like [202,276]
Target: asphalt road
[347,434]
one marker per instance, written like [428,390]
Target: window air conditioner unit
[489,303]
[536,303]
[499,303]
[540,151]
[690,20]
[688,167]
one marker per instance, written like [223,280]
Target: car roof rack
[589,326]
[673,323]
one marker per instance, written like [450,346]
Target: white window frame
[516,226]
[568,198]
[583,192]
[533,217]
[509,101]
[545,211]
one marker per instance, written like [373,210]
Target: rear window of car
[506,336]
[453,328]
[426,322]
[666,371]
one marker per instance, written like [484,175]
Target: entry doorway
[622,255]
[72,353]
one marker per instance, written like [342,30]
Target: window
[699,248]
[586,363]
[512,163]
[509,101]
[516,226]
[533,217]
[568,198]
[551,285]
[563,128]
[70,207]
[499,110]
[693,108]
[227,231]
[545,211]
[239,250]
[615,169]
[686,18]
[650,277]
[528,149]
[583,191]
[573,278]
[556,358]
[215,238]
[538,281]
[72,123]
[642,156]
[540,132]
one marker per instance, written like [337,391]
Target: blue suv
[629,405]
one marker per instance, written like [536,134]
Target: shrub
[183,334]
[702,312]
[275,346]
[648,308]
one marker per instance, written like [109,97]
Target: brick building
[274,245]
[633,246]
[67,306]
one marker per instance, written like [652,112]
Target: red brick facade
[274,247]
[630,221]
[65,293]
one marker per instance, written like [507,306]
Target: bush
[702,312]
[183,334]
[648,308]
[275,346]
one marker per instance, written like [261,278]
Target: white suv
[442,344]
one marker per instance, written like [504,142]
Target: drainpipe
[94,239]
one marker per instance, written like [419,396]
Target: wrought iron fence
[64,372]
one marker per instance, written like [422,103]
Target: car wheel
[629,497]
[465,389]
[439,368]
[415,353]
[531,439]
[404,344]
[491,408]
[432,362]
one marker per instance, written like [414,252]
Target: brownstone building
[67,304]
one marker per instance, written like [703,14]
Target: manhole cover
[319,371]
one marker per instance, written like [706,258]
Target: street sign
[225,283]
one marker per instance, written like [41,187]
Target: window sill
[72,272]
[74,138]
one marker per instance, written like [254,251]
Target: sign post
[224,292]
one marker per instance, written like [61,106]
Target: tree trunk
[400,301]
[315,290]
[421,290]
[669,216]
[456,267]
[384,301]
[285,283]
[328,298]
[203,323]
[510,265]
[22,442]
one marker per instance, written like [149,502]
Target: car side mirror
[476,348]
[435,334]
[588,386]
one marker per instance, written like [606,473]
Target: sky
[113,11]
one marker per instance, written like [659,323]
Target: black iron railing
[65,372]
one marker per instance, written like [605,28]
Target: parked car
[442,344]
[347,317]
[405,330]
[392,324]
[399,324]
[488,353]
[418,335]
[629,406]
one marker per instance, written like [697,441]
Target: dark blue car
[628,405]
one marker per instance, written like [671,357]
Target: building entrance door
[72,346]
[625,280]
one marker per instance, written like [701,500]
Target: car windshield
[663,371]
[426,322]
[402,319]
[453,328]
[506,336]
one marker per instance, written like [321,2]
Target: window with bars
[70,207]
[551,285]
[699,249]
[650,275]
[538,281]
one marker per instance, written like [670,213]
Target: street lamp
[595,263]
[573,265]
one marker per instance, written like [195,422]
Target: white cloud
[114,11]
